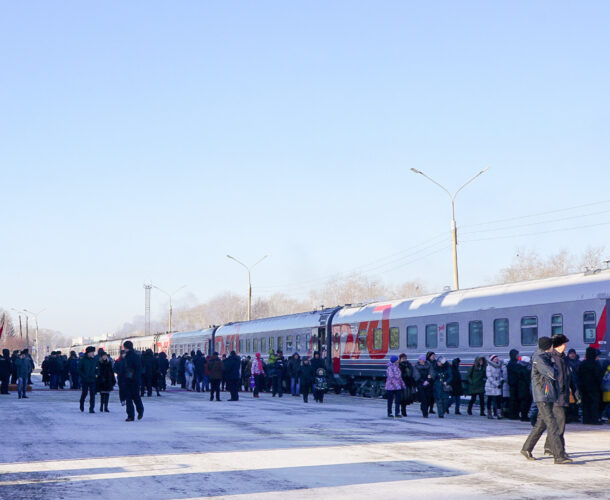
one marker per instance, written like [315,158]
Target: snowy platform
[189,447]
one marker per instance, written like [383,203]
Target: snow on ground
[189,447]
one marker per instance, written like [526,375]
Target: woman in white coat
[493,386]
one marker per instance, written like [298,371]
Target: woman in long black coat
[408,393]
[105,381]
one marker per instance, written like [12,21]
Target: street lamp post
[27,337]
[249,269]
[170,295]
[456,279]
[36,339]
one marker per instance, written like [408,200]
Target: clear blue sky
[145,140]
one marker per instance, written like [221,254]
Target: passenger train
[357,340]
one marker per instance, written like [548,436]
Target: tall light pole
[456,279]
[36,340]
[27,338]
[170,295]
[249,269]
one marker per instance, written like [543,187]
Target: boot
[527,454]
[82,407]
[563,460]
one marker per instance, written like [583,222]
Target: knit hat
[559,340]
[90,349]
[493,358]
[571,351]
[422,357]
[128,344]
[393,359]
[258,354]
[545,343]
[402,355]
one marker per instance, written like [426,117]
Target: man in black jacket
[131,373]
[231,372]
[512,372]
[148,371]
[545,390]
[564,385]
[590,375]
[5,370]
[199,363]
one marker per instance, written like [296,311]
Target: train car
[469,323]
[185,342]
[303,333]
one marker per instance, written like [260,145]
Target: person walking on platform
[545,390]
[406,372]
[88,370]
[5,370]
[215,368]
[231,372]
[131,374]
[564,386]
[105,381]
[442,386]
[148,371]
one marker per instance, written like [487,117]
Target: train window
[556,324]
[248,345]
[501,332]
[280,343]
[362,340]
[411,337]
[589,328]
[475,333]
[377,339]
[271,343]
[255,345]
[241,345]
[263,342]
[453,334]
[529,330]
[337,342]
[394,338]
[298,343]
[432,336]
[289,343]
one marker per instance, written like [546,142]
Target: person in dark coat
[163,367]
[131,374]
[590,375]
[88,370]
[24,369]
[564,387]
[524,391]
[457,391]
[215,369]
[14,357]
[5,370]
[173,369]
[512,371]
[293,368]
[316,362]
[148,371]
[546,392]
[406,373]
[231,368]
[442,386]
[424,381]
[105,380]
[306,376]
[181,371]
[199,363]
[73,371]
[476,383]
[277,375]
[573,361]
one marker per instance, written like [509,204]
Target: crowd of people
[503,389]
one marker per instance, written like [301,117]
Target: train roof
[594,285]
[310,319]
[195,335]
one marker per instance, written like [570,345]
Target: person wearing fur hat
[406,372]
[493,386]
[393,386]
[88,371]
[476,384]
[546,390]
[105,380]
[442,386]
[423,380]
[131,375]
[564,385]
